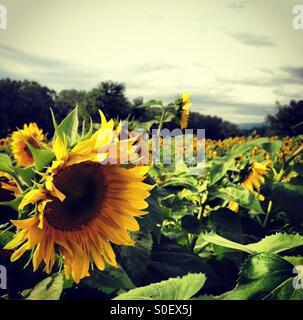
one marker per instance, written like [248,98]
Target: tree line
[28,101]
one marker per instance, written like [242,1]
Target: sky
[236,57]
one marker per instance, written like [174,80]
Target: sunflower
[7,183]
[184,108]
[8,192]
[83,208]
[255,177]
[4,142]
[31,134]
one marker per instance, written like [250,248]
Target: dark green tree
[288,119]
[23,102]
[110,97]
[66,100]
[215,127]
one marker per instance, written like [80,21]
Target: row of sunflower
[108,225]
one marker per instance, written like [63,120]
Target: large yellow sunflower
[84,207]
[185,105]
[31,134]
[255,177]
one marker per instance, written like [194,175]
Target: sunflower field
[78,221]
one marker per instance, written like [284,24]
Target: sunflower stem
[161,123]
[269,208]
[7,229]
[18,183]
[259,220]
[200,213]
[159,130]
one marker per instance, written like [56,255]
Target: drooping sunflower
[184,109]
[7,183]
[8,192]
[255,177]
[84,206]
[31,134]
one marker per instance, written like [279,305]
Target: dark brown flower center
[84,187]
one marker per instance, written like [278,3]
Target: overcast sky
[236,57]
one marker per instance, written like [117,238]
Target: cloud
[296,72]
[239,4]
[229,109]
[282,76]
[59,74]
[248,108]
[253,40]
[290,94]
[53,72]
[155,66]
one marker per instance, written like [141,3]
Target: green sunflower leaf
[243,148]
[275,243]
[26,174]
[242,196]
[48,289]
[153,103]
[13,203]
[6,163]
[287,197]
[5,159]
[134,260]
[42,157]
[219,167]
[109,280]
[272,147]
[5,237]
[172,289]
[69,127]
[266,276]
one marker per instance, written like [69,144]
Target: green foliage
[42,157]
[220,235]
[26,174]
[242,196]
[6,163]
[5,237]
[265,276]
[288,197]
[173,289]
[108,281]
[48,289]
[276,243]
[136,259]
[68,128]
